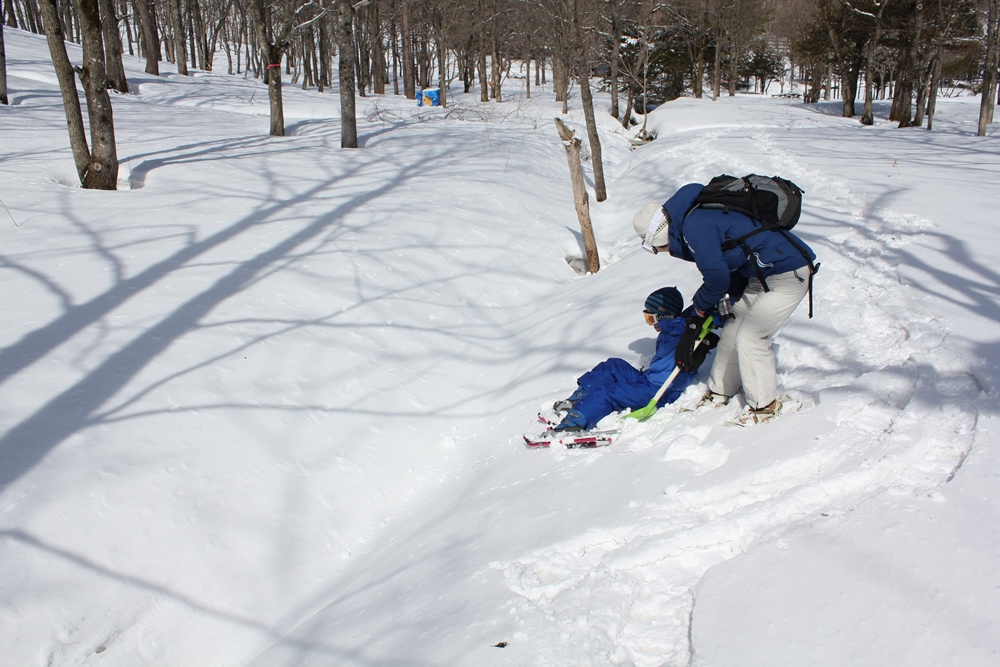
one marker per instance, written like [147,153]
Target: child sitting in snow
[615,384]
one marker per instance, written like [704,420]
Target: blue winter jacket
[699,237]
[663,363]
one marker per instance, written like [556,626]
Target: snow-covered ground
[264,404]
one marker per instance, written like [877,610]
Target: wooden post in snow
[580,197]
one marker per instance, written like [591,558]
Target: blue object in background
[429,98]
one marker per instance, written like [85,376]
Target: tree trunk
[271,52]
[409,81]
[580,197]
[394,49]
[3,69]
[442,73]
[986,103]
[150,38]
[345,44]
[177,24]
[596,158]
[616,48]
[698,84]
[272,74]
[497,72]
[362,68]
[868,115]
[902,101]
[935,86]
[324,57]
[848,89]
[8,8]
[560,80]
[112,47]
[734,64]
[34,21]
[378,59]
[716,69]
[627,118]
[102,169]
[484,87]
[198,38]
[920,109]
[67,85]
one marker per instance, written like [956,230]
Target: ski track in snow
[629,593]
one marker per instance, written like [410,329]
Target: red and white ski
[581,439]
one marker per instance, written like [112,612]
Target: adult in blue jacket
[766,276]
[615,384]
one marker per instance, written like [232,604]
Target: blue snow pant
[612,386]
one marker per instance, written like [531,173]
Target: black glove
[684,354]
[708,344]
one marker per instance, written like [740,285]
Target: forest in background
[644,52]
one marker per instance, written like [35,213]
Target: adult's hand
[708,344]
[694,331]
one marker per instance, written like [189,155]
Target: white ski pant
[744,356]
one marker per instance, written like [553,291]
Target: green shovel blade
[642,414]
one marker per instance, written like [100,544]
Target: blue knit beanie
[665,302]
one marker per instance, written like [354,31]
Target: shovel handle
[666,383]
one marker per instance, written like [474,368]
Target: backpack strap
[813,268]
[729,243]
[740,241]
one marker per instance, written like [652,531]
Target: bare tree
[177,27]
[743,22]
[150,38]
[97,167]
[3,69]
[67,85]
[642,27]
[102,170]
[567,26]
[345,44]
[611,13]
[694,19]
[273,27]
[406,37]
[587,100]
[990,66]
[112,47]
[867,115]
[580,198]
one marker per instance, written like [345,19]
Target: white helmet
[652,225]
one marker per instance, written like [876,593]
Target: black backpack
[774,201]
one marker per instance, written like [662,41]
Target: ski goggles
[653,318]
